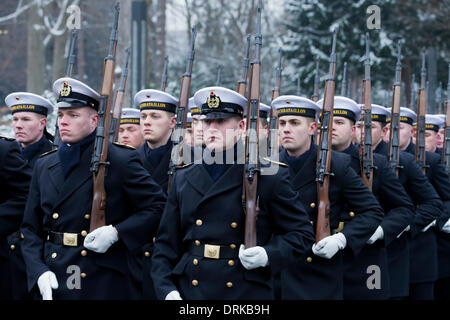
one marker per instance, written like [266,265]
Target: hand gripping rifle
[421,111]
[99,157]
[366,134]
[315,96]
[394,151]
[273,124]
[71,58]
[324,151]
[182,111]
[164,74]
[242,83]
[446,147]
[118,100]
[251,170]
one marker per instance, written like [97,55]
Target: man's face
[189,137]
[430,140]
[377,132]
[263,128]
[131,135]
[222,134]
[440,138]
[342,133]
[156,126]
[295,133]
[197,130]
[405,133]
[76,123]
[28,127]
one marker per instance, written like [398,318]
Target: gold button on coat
[147,254]
[230,263]
[54,254]
[229,284]
[309,259]
[83,253]
[197,243]
[312,205]
[199,222]
[87,216]
[55,216]
[232,246]
[83,275]
[195,262]
[194,283]
[234,225]
[352,214]
[84,233]
[12,247]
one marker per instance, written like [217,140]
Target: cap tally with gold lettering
[75,94]
[151,99]
[406,116]
[433,122]
[193,108]
[344,107]
[130,116]
[290,105]
[189,120]
[379,113]
[28,102]
[220,103]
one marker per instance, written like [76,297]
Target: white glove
[408,227]
[46,282]
[101,239]
[173,295]
[377,235]
[327,247]
[254,257]
[446,227]
[432,224]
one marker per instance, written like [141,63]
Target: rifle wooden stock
[99,158]
[164,74]
[366,134]
[421,111]
[182,111]
[394,141]
[323,169]
[118,99]
[251,170]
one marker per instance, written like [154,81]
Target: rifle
[273,125]
[71,58]
[315,96]
[366,134]
[252,169]
[99,157]
[412,100]
[421,111]
[394,140]
[219,75]
[324,151]
[344,81]
[183,107]
[118,99]
[242,84]
[446,146]
[164,74]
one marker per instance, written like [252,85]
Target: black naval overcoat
[201,212]
[310,276]
[15,177]
[56,205]
[399,213]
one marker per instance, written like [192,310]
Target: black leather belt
[212,251]
[66,238]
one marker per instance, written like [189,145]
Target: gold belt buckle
[211,251]
[70,239]
[340,227]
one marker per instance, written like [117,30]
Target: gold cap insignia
[65,90]
[213,101]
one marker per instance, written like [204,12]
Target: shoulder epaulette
[276,162]
[185,165]
[47,153]
[7,138]
[124,145]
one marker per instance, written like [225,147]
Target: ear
[312,128]
[94,119]
[413,132]
[43,122]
